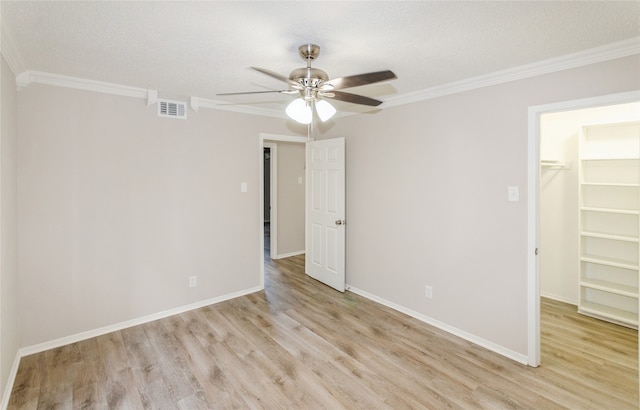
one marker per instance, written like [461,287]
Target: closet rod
[555,164]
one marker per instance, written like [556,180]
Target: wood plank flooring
[301,345]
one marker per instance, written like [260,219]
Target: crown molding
[197,102]
[27,77]
[9,50]
[591,56]
[595,55]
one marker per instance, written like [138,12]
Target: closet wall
[559,134]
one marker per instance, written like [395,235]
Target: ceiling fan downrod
[309,77]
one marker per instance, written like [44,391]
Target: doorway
[534,180]
[280,232]
[270,197]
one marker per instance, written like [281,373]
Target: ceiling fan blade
[352,98]
[275,75]
[358,79]
[261,92]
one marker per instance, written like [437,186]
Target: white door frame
[261,140]
[533,214]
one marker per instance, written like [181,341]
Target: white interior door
[325,221]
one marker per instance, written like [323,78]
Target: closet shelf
[613,184]
[616,263]
[610,210]
[613,237]
[555,164]
[610,287]
[611,159]
[619,316]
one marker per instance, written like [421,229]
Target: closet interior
[590,211]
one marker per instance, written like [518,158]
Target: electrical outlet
[428,291]
[193,281]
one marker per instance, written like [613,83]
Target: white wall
[119,207]
[559,266]
[291,209]
[9,309]
[427,199]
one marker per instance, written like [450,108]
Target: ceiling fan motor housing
[308,76]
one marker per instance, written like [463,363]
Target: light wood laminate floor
[301,345]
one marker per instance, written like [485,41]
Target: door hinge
[536,251]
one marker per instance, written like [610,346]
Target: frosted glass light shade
[325,110]
[299,111]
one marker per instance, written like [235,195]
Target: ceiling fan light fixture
[299,110]
[325,110]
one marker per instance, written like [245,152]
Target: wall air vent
[172,109]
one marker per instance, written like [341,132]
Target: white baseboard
[41,347]
[290,254]
[558,298]
[10,381]
[518,357]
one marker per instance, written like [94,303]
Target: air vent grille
[172,109]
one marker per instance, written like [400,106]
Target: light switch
[243,187]
[513,193]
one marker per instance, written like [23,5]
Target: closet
[609,221]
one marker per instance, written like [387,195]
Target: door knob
[341,222]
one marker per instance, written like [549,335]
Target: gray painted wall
[9,309]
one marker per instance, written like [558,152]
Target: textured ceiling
[199,49]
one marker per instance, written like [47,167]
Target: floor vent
[172,109]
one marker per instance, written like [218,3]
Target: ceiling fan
[312,83]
